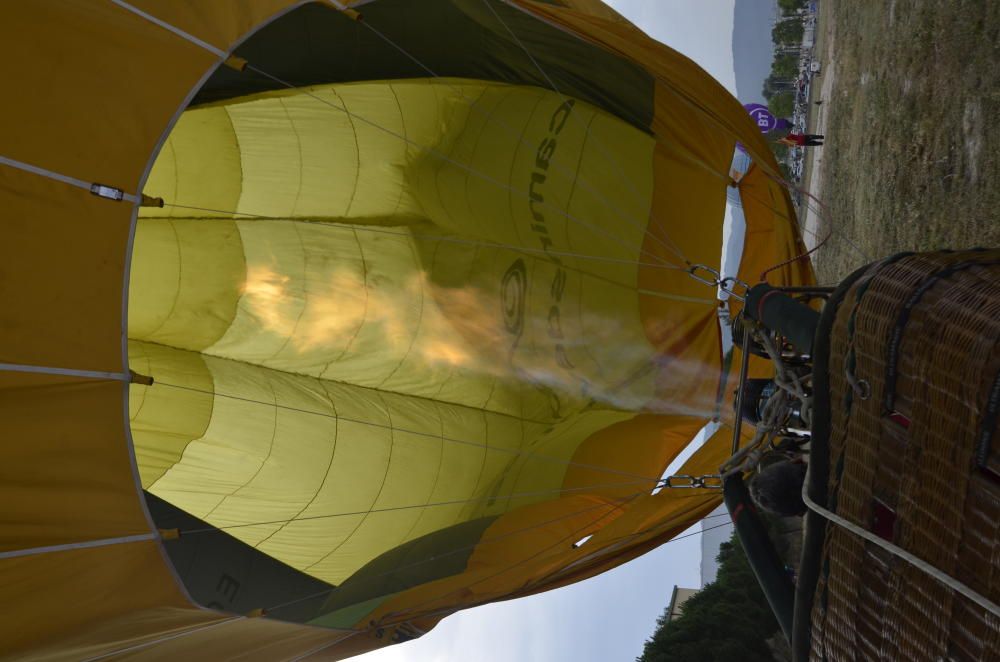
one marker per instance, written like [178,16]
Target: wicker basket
[905,445]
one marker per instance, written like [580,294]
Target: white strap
[160,640]
[70,372]
[32,551]
[166,26]
[100,190]
[926,567]
[323,647]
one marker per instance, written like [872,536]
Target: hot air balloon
[321,326]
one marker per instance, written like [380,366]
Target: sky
[609,617]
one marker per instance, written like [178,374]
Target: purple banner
[762,116]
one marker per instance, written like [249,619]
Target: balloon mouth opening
[377,325]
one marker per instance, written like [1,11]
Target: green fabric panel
[437,555]
[349,616]
[221,572]
[454,38]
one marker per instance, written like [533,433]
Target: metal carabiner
[669,481]
[727,283]
[692,271]
[710,481]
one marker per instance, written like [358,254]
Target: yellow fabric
[94,107]
[360,316]
[691,162]
[771,236]
[770,240]
[45,133]
[82,436]
[650,521]
[373,345]
[221,24]
[46,319]
[49,593]
[705,140]
[104,85]
[532,548]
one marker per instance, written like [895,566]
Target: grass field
[912,156]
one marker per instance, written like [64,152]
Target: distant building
[677,600]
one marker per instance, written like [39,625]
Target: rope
[430,237]
[159,640]
[776,410]
[899,552]
[389,509]
[820,210]
[660,294]
[800,256]
[787,381]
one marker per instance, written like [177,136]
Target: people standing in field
[802,140]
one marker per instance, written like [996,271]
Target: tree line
[779,87]
[729,619]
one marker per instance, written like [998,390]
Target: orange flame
[458,328]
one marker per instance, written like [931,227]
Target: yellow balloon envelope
[412,331]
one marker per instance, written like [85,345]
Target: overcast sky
[606,618]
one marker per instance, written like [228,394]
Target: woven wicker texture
[923,331]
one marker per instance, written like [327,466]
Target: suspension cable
[413,506]
[459,550]
[572,536]
[425,435]
[464,548]
[448,610]
[534,252]
[463,166]
[669,85]
[671,246]
[483,243]
[556,89]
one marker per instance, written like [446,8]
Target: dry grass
[912,160]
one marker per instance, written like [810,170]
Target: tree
[791,6]
[786,171]
[727,620]
[785,66]
[782,104]
[787,32]
[773,86]
[780,151]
